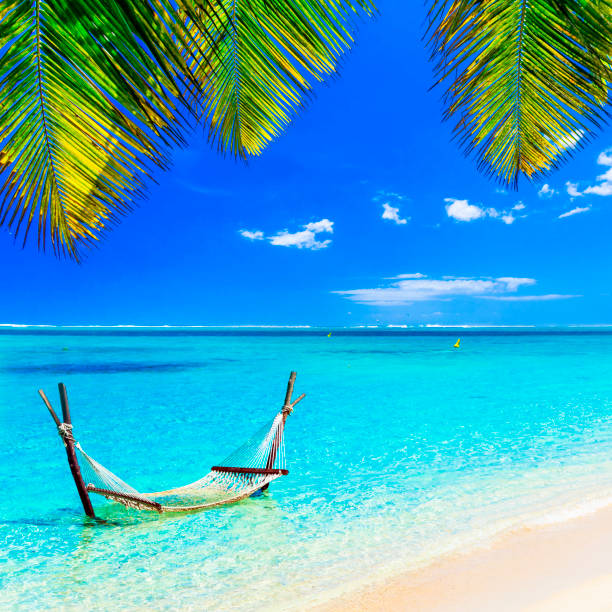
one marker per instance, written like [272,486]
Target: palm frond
[527,80]
[93,93]
[262,61]
[90,94]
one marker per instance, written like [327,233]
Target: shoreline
[561,566]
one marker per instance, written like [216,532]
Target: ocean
[404,450]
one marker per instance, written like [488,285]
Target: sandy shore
[554,568]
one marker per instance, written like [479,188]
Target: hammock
[250,468]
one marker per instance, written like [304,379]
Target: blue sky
[363,212]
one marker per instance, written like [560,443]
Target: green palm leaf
[85,110]
[93,93]
[527,80]
[266,55]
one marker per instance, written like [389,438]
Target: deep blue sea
[404,449]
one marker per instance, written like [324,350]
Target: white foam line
[569,512]
[25,325]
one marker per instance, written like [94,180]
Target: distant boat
[456,345]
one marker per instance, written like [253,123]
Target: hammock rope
[238,476]
[250,468]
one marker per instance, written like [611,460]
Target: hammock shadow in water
[63,517]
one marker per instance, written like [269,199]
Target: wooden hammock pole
[49,407]
[289,390]
[287,408]
[71,454]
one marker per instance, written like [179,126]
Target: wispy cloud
[392,214]
[574,211]
[402,276]
[529,298]
[388,196]
[256,235]
[546,191]
[303,239]
[462,210]
[572,189]
[408,288]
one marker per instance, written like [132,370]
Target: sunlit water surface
[404,450]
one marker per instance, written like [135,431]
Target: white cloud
[324,225]
[301,240]
[391,213]
[572,189]
[409,288]
[529,298]
[462,210]
[400,276]
[574,211]
[547,191]
[603,189]
[256,235]
[604,185]
[305,239]
[605,158]
[513,283]
[390,201]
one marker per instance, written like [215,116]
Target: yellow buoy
[329,335]
[456,345]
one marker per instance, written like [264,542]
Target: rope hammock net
[244,472]
[250,468]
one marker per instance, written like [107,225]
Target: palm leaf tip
[267,55]
[526,82]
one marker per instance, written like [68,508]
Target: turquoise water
[403,450]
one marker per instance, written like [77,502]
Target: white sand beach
[564,567]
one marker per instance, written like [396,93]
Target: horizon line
[363,326]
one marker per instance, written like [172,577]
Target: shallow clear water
[404,449]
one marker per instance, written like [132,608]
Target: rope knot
[65,432]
